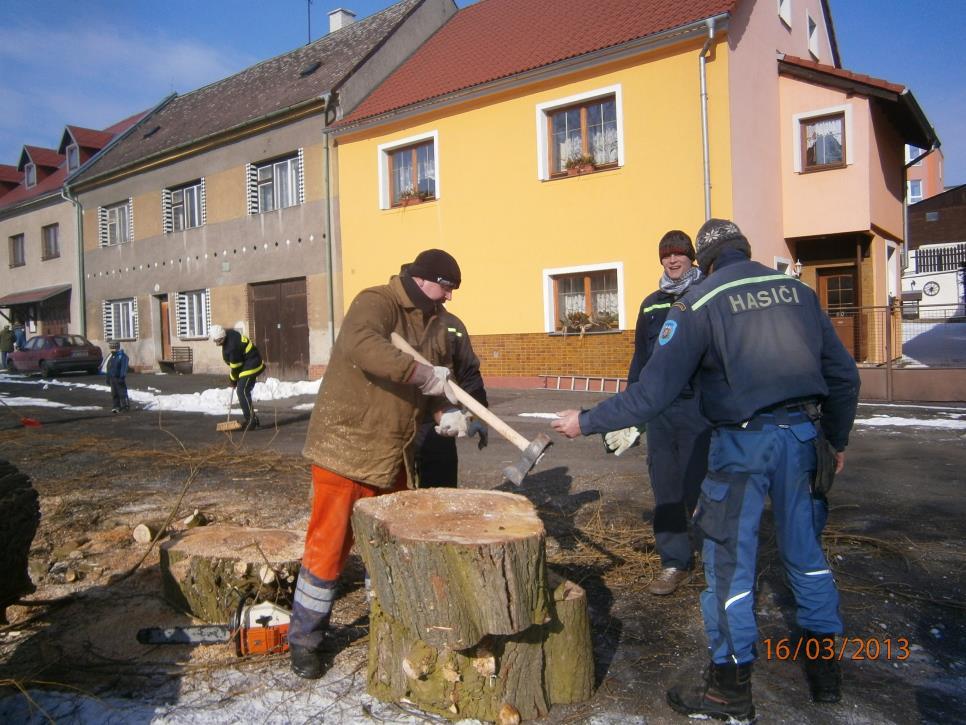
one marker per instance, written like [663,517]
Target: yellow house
[549,146]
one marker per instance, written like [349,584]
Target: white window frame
[73,150]
[194,314]
[811,29]
[549,320]
[543,110]
[45,253]
[384,151]
[913,152]
[296,171]
[30,175]
[785,12]
[170,202]
[909,195]
[124,227]
[806,116]
[120,319]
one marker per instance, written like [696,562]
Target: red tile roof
[495,39]
[844,74]
[89,138]
[50,158]
[9,174]
[41,156]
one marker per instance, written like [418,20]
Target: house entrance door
[165,327]
[837,295]
[281,327]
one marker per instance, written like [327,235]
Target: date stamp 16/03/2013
[844,648]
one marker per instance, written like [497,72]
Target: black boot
[725,695]
[252,423]
[823,672]
[306,663]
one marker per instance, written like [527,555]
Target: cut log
[455,565]
[524,673]
[204,570]
[145,531]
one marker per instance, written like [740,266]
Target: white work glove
[431,380]
[454,423]
[618,441]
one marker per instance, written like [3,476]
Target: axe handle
[468,401]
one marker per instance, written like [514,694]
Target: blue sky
[93,62]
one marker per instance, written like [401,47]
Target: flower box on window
[577,165]
[410,197]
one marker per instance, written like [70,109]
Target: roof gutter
[634,47]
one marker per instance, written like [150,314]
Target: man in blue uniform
[244,365]
[678,438]
[765,356]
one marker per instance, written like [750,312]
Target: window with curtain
[51,241]
[586,301]
[17,258]
[412,173]
[276,184]
[583,134]
[823,142]
[193,314]
[184,206]
[120,319]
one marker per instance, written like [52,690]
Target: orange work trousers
[328,540]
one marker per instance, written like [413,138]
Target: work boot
[725,695]
[823,673]
[306,663]
[668,581]
[253,423]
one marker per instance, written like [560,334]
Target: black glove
[825,463]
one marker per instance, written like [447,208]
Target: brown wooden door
[165,327]
[837,292]
[55,315]
[281,327]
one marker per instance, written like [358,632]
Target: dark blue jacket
[650,319]
[116,366]
[753,338]
[241,356]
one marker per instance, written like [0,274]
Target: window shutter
[130,220]
[182,316]
[134,313]
[251,188]
[107,312]
[207,312]
[102,226]
[202,212]
[166,216]
[301,177]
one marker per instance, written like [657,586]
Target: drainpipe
[81,287]
[702,71]
[329,264]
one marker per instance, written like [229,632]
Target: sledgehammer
[532,450]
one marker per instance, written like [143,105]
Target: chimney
[339,18]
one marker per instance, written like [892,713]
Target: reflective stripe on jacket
[241,356]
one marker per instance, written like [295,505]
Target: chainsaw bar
[200,634]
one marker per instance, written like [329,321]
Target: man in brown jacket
[360,436]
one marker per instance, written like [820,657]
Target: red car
[52,354]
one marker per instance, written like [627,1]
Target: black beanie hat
[675,242]
[436,266]
[716,235]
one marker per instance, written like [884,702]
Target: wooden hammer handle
[468,401]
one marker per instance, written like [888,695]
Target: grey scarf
[680,286]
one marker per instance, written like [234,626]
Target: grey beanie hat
[716,235]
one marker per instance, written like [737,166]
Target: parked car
[52,354]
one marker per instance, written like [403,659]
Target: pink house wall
[755,35]
[824,202]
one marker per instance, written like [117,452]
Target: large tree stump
[463,620]
[454,564]
[18,524]
[547,664]
[205,570]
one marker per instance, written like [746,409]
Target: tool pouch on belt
[824,464]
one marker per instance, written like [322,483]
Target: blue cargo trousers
[744,467]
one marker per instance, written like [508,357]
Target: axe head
[531,456]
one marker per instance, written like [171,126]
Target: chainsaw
[254,629]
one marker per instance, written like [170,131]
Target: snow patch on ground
[44,403]
[886,420]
